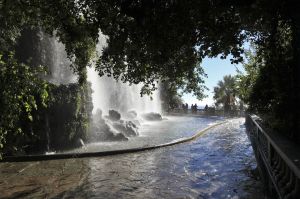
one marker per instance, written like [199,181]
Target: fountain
[113,97]
[121,119]
[123,97]
[118,108]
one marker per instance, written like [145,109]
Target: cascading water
[108,94]
[118,100]
[54,56]
[111,94]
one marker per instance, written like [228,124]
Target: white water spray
[110,94]
[54,56]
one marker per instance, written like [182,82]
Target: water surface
[156,132]
[219,164]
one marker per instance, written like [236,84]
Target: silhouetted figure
[183,108]
[206,108]
[195,108]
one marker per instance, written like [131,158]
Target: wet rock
[114,115]
[128,128]
[110,135]
[131,114]
[112,128]
[104,130]
[136,122]
[152,116]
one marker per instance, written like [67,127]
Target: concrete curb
[29,158]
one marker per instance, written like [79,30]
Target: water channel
[219,164]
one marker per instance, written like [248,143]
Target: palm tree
[225,93]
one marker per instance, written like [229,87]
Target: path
[217,165]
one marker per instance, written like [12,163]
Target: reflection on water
[217,165]
[154,133]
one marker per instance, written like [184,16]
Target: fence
[278,159]
[209,112]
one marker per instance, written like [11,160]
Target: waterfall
[54,56]
[111,94]
[108,93]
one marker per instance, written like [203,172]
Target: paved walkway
[219,164]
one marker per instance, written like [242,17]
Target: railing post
[275,155]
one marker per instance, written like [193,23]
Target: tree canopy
[161,40]
[225,93]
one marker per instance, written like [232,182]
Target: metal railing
[210,112]
[278,159]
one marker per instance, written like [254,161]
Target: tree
[166,40]
[20,91]
[225,93]
[152,40]
[246,80]
[23,93]
[153,34]
[269,85]
[170,96]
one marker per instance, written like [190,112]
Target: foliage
[246,80]
[270,80]
[20,91]
[151,40]
[77,24]
[55,126]
[225,93]
[24,94]
[147,40]
[69,114]
[169,96]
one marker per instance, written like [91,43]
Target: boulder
[136,122]
[114,115]
[112,128]
[127,128]
[131,114]
[152,116]
[104,131]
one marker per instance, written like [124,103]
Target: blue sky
[216,69]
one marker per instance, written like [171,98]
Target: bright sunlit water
[218,164]
[154,133]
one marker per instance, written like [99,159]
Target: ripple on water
[209,167]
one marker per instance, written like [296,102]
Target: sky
[216,69]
